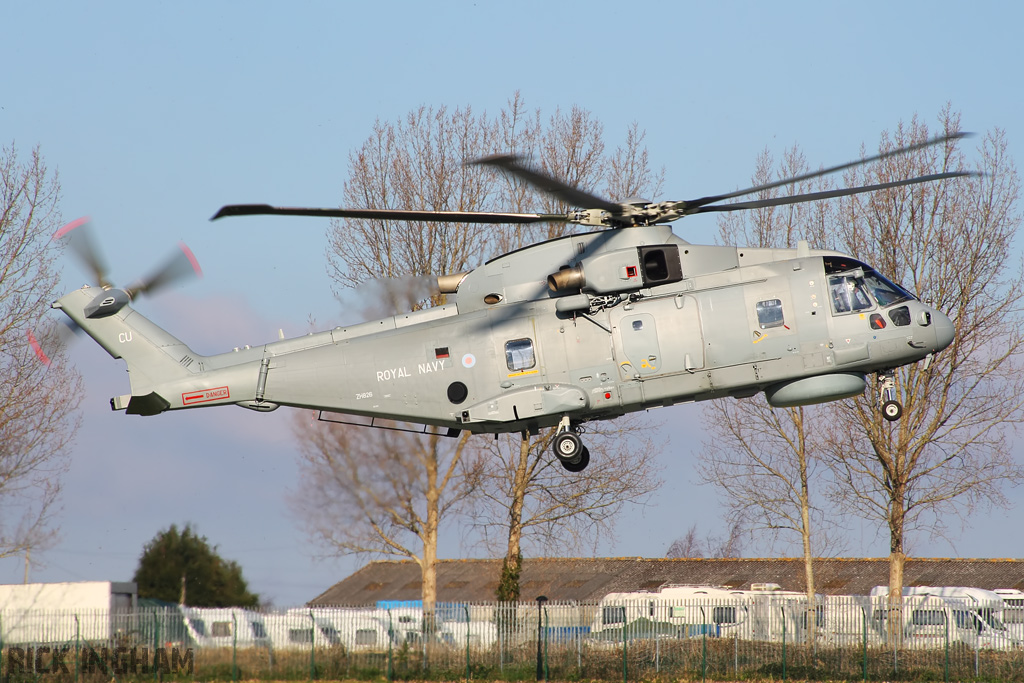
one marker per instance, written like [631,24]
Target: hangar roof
[590,579]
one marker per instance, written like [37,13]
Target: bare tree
[761,459]
[690,546]
[376,492]
[526,498]
[686,546]
[630,174]
[385,492]
[418,163]
[528,494]
[949,242]
[38,414]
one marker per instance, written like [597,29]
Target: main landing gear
[569,448]
[891,408]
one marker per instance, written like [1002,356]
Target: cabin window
[1014,611]
[928,617]
[199,625]
[365,636]
[220,629]
[300,635]
[257,629]
[613,615]
[723,615]
[964,619]
[819,616]
[769,313]
[519,354]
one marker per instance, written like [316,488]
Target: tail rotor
[78,237]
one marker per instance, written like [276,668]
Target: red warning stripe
[205,396]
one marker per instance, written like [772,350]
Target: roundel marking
[468,361]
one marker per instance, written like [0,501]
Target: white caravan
[847,620]
[225,627]
[1013,610]
[673,610]
[374,628]
[454,627]
[354,628]
[934,615]
[301,628]
[764,613]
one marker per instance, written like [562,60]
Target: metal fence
[756,636]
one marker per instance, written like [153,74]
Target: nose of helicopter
[943,330]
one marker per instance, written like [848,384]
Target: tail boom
[163,372]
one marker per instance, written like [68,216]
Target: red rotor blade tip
[191,258]
[40,354]
[71,226]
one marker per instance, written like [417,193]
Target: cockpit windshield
[855,287]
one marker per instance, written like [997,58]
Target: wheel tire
[580,464]
[892,410]
[568,447]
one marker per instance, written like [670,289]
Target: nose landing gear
[569,448]
[891,408]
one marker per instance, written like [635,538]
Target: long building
[590,579]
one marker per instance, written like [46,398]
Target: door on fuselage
[658,337]
[518,351]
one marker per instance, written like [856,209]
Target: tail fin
[154,356]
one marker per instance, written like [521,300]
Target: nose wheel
[891,408]
[569,448]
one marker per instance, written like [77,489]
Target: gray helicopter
[584,327]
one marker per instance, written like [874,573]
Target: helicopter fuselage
[584,327]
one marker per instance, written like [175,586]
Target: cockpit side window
[849,294]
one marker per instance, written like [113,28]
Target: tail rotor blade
[52,339]
[77,236]
[180,265]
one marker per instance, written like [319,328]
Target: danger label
[205,396]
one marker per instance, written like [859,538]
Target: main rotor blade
[391,214]
[77,236]
[815,174]
[812,196]
[556,188]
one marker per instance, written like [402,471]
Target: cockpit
[855,287]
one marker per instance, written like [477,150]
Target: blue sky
[156,115]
